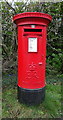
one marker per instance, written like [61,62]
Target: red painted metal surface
[32,65]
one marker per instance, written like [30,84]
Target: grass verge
[50,108]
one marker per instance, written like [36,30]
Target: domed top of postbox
[32,18]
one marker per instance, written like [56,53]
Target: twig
[52,47]
[10,6]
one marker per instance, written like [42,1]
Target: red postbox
[32,34]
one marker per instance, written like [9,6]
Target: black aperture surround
[32,30]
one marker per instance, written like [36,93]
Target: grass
[50,108]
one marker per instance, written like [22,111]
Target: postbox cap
[40,16]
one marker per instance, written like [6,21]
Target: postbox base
[31,97]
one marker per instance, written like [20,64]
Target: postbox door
[31,60]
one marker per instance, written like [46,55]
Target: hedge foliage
[54,37]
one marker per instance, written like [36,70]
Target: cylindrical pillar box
[32,34]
